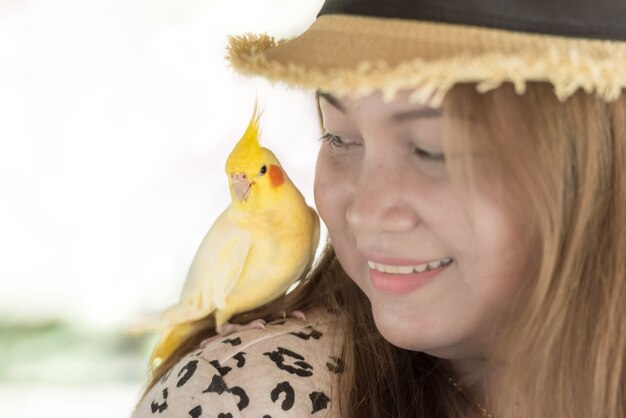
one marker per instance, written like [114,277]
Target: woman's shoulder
[286,370]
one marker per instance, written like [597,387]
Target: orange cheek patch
[276,175]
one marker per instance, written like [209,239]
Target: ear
[277,177]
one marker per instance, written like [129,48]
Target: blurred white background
[116,118]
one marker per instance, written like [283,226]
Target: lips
[407,269]
[383,259]
[399,284]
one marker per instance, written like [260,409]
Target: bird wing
[214,271]
[217,266]
[232,261]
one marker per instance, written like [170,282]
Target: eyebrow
[330,99]
[426,112]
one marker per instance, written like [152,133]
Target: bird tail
[171,339]
[172,316]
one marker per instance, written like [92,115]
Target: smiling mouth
[410,269]
[395,280]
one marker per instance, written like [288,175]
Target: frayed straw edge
[594,68]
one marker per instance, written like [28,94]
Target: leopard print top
[286,370]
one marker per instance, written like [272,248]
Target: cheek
[331,190]
[505,250]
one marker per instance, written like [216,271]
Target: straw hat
[357,46]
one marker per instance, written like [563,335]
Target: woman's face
[383,191]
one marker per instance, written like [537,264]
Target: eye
[336,142]
[425,155]
[263,169]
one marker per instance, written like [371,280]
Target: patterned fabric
[286,370]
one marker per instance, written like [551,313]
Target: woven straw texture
[354,54]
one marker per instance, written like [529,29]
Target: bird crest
[248,148]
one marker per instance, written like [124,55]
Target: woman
[475,264]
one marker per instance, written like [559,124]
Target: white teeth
[405,269]
[421,268]
[392,269]
[433,265]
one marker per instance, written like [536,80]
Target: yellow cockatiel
[261,244]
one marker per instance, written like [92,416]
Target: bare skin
[383,191]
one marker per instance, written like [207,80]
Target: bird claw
[297,314]
[294,314]
[228,328]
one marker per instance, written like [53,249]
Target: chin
[399,328]
[408,331]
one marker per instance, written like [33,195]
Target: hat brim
[357,54]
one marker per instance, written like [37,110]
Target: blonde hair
[564,165]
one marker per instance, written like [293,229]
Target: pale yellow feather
[252,253]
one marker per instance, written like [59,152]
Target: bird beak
[241,184]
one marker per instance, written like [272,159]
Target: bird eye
[263,169]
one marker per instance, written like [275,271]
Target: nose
[381,199]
